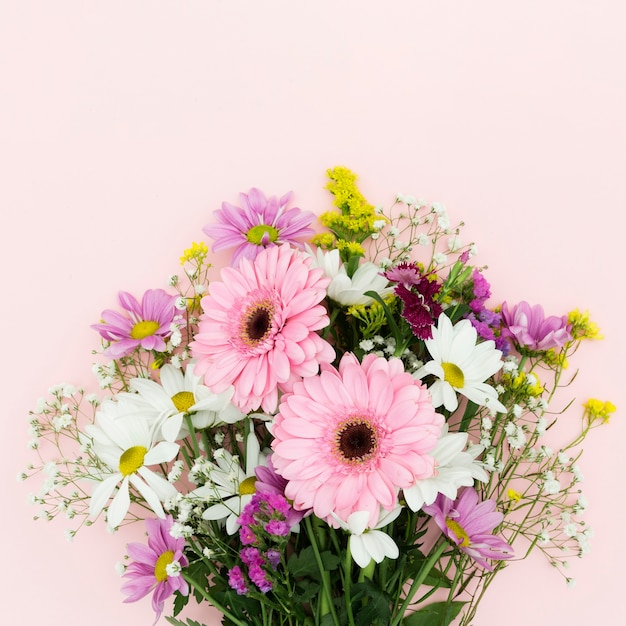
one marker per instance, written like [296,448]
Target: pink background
[123,125]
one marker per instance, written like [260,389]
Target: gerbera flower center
[453,374]
[247,486]
[132,459]
[183,401]
[144,329]
[262,234]
[356,441]
[160,568]
[457,529]
[256,322]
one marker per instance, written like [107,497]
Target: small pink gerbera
[349,439]
[259,223]
[469,524]
[157,566]
[146,324]
[258,328]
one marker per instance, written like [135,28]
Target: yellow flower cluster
[197,252]
[582,327]
[355,221]
[598,410]
[371,316]
[523,384]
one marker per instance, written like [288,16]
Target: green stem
[417,582]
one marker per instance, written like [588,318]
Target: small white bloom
[440,258]
[454,243]
[378,224]
[370,543]
[366,345]
[423,240]
[200,289]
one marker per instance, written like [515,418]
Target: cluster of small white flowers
[550,483]
[105,374]
[176,471]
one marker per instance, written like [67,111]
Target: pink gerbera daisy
[147,324]
[258,328]
[349,439]
[259,223]
[469,524]
[157,566]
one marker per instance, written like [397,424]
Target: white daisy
[229,488]
[184,394]
[455,467]
[123,440]
[370,543]
[461,365]
[349,291]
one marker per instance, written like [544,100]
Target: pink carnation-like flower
[146,324]
[156,567]
[258,330]
[528,328]
[349,439]
[260,222]
[469,524]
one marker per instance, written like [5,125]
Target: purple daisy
[146,324]
[259,223]
[469,524]
[529,330]
[156,567]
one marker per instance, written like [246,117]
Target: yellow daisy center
[457,529]
[262,234]
[247,487]
[144,329]
[160,568]
[453,374]
[132,459]
[183,401]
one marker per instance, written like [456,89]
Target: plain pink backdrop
[123,125]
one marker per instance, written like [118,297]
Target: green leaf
[179,602]
[304,564]
[435,614]
[188,622]
[370,605]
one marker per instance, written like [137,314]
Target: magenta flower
[259,328]
[156,567]
[260,222]
[349,439]
[529,330]
[469,524]
[417,293]
[146,324]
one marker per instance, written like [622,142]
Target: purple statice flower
[251,555]
[145,325]
[277,527]
[270,481]
[258,223]
[486,323]
[469,524]
[246,536]
[156,567]
[530,331]
[237,580]
[259,577]
[417,293]
[274,557]
[481,289]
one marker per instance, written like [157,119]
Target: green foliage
[435,614]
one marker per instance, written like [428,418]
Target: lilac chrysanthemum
[259,328]
[147,324]
[156,567]
[259,223]
[529,330]
[469,524]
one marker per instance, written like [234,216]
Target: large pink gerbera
[349,439]
[258,328]
[147,324]
[259,223]
[156,567]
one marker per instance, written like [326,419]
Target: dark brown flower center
[356,441]
[256,322]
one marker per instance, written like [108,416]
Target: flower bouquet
[338,430]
